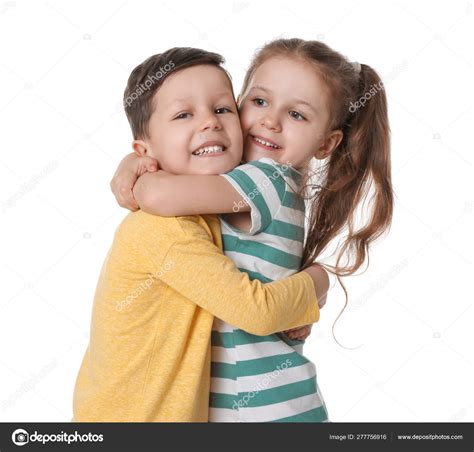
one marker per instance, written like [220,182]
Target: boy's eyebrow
[184,99]
[225,93]
[178,100]
[298,101]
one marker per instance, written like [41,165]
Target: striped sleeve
[262,186]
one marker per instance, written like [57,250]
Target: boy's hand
[300,333]
[128,171]
[321,282]
[321,286]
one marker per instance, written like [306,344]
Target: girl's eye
[297,116]
[183,116]
[222,110]
[260,102]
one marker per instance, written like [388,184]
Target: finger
[294,336]
[149,164]
[124,203]
[301,334]
[128,201]
[152,165]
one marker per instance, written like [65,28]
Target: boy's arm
[201,273]
[170,195]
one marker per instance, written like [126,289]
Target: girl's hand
[300,333]
[128,171]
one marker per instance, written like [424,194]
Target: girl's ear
[331,142]
[140,148]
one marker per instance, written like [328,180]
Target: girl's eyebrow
[304,102]
[296,101]
[260,88]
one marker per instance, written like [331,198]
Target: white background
[63,68]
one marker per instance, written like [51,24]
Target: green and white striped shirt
[264,378]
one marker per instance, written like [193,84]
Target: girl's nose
[271,122]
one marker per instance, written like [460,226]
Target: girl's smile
[265,143]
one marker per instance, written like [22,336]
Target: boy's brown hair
[148,76]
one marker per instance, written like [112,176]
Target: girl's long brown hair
[360,162]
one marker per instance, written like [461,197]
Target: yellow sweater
[162,282]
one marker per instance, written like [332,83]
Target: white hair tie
[356,66]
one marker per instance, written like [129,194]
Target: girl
[300,100]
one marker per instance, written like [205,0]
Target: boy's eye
[260,102]
[222,110]
[182,116]
[297,116]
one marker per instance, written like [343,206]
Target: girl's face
[285,114]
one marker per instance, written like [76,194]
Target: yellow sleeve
[198,270]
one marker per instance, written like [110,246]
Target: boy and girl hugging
[210,286]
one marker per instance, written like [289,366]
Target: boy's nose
[211,122]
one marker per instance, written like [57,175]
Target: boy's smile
[210,148]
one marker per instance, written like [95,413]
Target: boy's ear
[140,148]
[331,142]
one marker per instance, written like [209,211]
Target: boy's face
[194,128]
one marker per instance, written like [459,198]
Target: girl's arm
[171,195]
[258,186]
[130,168]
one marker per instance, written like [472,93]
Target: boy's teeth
[209,150]
[266,143]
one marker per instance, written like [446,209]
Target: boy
[165,278]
